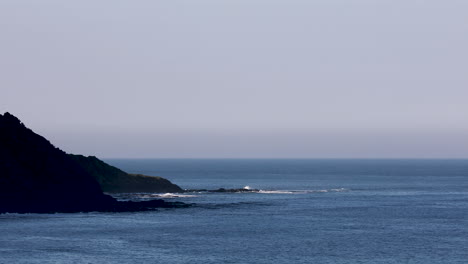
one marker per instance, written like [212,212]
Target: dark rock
[36,177]
[114,180]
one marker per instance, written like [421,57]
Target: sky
[239,78]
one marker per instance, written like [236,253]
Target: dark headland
[114,180]
[36,177]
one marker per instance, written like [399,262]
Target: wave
[197,193]
[168,195]
[276,192]
[144,196]
[248,189]
[302,191]
[339,190]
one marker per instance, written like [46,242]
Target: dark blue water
[310,211]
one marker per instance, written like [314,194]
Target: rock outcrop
[36,177]
[114,180]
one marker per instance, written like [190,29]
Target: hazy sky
[239,78]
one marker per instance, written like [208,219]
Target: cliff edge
[114,180]
[36,177]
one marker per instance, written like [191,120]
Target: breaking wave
[302,191]
[197,193]
[277,192]
[167,195]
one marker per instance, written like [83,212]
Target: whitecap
[175,195]
[276,192]
[165,195]
[302,191]
[339,190]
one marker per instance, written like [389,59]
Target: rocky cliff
[35,176]
[114,180]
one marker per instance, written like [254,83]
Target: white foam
[277,192]
[302,191]
[175,195]
[328,190]
[167,195]
[339,190]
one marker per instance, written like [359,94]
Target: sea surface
[308,211]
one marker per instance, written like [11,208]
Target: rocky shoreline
[37,177]
[110,206]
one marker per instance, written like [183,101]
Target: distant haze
[239,78]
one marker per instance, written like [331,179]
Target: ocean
[306,211]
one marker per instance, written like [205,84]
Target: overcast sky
[239,78]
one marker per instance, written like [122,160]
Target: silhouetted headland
[114,180]
[36,177]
